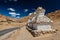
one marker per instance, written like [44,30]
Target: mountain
[7,22]
[55,16]
[23,33]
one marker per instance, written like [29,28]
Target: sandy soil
[24,34]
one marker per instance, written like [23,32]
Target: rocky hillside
[7,22]
[23,33]
[55,16]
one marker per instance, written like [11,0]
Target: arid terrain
[15,29]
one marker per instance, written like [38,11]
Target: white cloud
[17,17]
[11,9]
[12,13]
[18,14]
[25,10]
[30,13]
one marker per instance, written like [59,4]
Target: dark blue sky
[20,5]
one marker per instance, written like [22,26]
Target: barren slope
[24,34]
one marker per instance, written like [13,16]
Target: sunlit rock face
[39,21]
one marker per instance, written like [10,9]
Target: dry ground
[24,34]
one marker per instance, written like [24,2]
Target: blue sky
[24,7]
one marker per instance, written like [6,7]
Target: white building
[40,21]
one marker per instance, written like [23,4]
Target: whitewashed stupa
[39,21]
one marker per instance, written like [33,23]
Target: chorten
[39,22]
